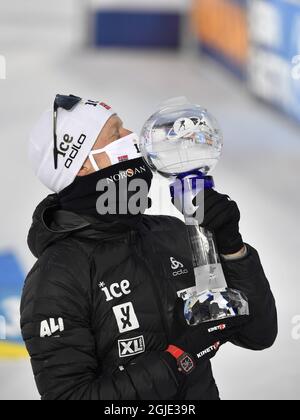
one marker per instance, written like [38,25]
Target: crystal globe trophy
[183,142]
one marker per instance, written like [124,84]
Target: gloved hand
[193,345]
[222,216]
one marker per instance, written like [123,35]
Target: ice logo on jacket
[115,290]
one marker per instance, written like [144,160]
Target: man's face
[112,131]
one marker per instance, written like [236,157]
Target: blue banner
[274,64]
[11,283]
[222,30]
[137,29]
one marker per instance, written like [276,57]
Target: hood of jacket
[50,224]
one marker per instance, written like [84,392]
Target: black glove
[222,216]
[196,344]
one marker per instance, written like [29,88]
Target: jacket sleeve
[55,322]
[247,275]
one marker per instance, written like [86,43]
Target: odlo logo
[66,147]
[175,265]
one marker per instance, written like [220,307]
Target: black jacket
[97,307]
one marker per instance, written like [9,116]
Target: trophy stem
[206,261]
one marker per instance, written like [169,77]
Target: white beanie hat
[77,131]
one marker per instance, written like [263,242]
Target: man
[100,312]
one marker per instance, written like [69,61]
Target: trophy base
[215,305]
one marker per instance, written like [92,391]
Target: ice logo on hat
[64,147]
[184,127]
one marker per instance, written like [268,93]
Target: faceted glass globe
[215,305]
[180,138]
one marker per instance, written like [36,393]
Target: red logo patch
[105,106]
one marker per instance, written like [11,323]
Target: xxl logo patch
[126,317]
[131,347]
